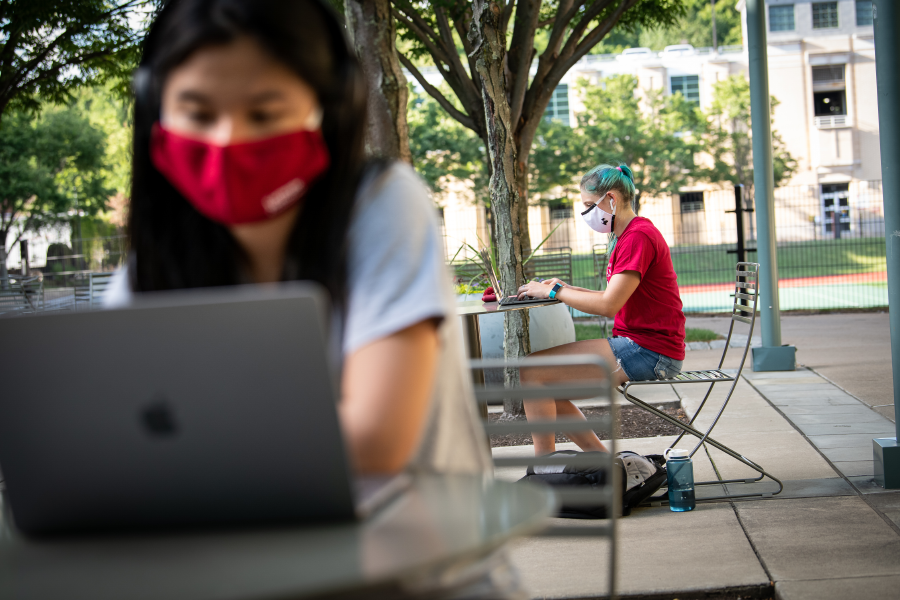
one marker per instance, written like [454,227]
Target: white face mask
[598,219]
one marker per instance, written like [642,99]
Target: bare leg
[549,409]
[542,410]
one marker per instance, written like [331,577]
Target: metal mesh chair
[591,388]
[746,296]
[552,262]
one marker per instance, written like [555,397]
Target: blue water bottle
[680,474]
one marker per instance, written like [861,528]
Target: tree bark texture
[373,34]
[489,40]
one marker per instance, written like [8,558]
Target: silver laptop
[195,408]
[510,300]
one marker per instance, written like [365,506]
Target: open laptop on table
[511,300]
[192,408]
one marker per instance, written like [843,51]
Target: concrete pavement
[832,533]
[853,350]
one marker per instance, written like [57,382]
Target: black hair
[172,245]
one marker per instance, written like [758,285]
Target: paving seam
[884,517]
[759,557]
[744,591]
[860,400]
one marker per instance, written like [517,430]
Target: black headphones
[352,84]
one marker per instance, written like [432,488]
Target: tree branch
[506,15]
[432,91]
[520,53]
[455,65]
[564,14]
[462,29]
[598,33]
[589,15]
[428,39]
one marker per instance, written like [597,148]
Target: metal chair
[746,292]
[550,263]
[591,388]
[20,295]
[90,288]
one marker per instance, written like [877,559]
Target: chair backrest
[608,495]
[601,259]
[13,299]
[97,284]
[743,310]
[552,262]
[21,295]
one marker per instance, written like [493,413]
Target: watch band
[555,289]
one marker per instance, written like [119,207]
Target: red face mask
[244,182]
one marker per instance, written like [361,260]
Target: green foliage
[554,161]
[49,166]
[49,48]
[695,27]
[652,139]
[587,331]
[442,149]
[724,135]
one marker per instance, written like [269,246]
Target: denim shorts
[641,364]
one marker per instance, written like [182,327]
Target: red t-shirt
[652,317]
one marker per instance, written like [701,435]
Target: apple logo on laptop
[158,419]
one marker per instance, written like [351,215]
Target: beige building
[822,72]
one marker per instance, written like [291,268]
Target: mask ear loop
[610,239]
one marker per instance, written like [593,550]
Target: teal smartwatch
[555,289]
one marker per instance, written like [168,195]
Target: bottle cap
[676,453]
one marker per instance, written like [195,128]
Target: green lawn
[692,334]
[712,264]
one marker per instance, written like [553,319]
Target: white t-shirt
[397,278]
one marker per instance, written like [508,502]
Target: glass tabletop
[439,520]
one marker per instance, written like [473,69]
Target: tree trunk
[522,189]
[4,274]
[373,34]
[490,48]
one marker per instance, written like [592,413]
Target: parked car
[636,53]
[677,50]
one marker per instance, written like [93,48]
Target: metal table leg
[473,347]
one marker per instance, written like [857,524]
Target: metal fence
[831,244]
[62,277]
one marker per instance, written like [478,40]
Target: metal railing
[831,247]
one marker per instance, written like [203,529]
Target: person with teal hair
[647,341]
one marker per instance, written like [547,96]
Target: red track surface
[873,277]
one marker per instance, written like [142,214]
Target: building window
[825,15]
[863,13]
[691,202]
[829,104]
[560,209]
[781,17]
[830,74]
[836,208]
[689,86]
[558,109]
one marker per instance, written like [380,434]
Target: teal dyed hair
[604,178]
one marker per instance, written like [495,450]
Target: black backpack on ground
[641,476]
